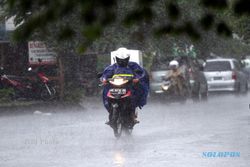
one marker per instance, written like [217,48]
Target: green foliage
[148,25]
[94,16]
[6,94]
[102,62]
[73,95]
[148,60]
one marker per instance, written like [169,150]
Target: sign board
[39,51]
[10,25]
[135,56]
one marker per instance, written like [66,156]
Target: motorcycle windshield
[123,76]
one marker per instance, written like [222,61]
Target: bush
[73,95]
[6,94]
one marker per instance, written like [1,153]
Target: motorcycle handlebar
[130,79]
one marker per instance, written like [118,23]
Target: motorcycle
[119,99]
[172,92]
[33,86]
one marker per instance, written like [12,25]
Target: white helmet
[174,64]
[122,53]
[122,57]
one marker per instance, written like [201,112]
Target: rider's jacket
[177,78]
[133,68]
[174,74]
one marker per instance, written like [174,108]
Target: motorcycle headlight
[165,87]
[119,81]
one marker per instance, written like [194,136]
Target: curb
[38,105]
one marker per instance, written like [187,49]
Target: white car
[224,74]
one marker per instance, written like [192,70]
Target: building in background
[13,57]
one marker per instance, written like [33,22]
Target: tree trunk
[61,78]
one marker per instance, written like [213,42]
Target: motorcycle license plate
[118,91]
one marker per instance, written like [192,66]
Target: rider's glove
[135,80]
[104,82]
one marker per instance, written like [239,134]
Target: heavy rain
[122,83]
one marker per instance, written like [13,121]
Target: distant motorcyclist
[140,79]
[176,76]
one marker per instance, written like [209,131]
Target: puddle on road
[119,160]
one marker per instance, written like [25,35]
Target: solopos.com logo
[221,154]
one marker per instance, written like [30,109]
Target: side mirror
[99,75]
[242,64]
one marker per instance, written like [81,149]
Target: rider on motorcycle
[177,76]
[140,80]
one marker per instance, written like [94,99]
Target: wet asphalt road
[168,136]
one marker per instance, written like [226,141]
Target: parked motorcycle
[120,98]
[33,86]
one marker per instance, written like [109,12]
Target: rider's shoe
[136,121]
[135,115]
[110,117]
[108,123]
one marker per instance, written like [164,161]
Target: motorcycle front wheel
[117,123]
[48,93]
[118,129]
